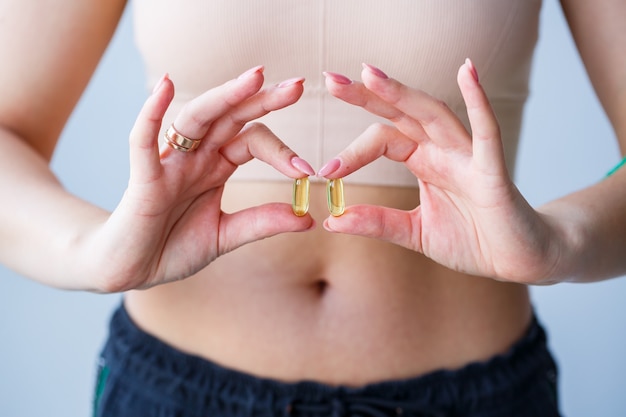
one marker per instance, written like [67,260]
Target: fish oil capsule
[334,195]
[300,198]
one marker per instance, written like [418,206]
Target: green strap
[618,166]
[101,383]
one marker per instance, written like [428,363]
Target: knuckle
[441,105]
[376,135]
[193,119]
[438,111]
[284,149]
[256,128]
[196,122]
[378,129]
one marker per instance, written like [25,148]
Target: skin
[315,304]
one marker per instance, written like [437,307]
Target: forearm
[41,225]
[591,229]
[598,213]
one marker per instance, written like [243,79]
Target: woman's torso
[316,305]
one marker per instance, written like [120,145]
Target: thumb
[256,223]
[383,223]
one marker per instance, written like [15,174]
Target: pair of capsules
[334,196]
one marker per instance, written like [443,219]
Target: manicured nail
[332,166]
[338,78]
[290,82]
[375,71]
[472,68]
[251,71]
[159,83]
[302,165]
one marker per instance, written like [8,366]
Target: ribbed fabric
[419,42]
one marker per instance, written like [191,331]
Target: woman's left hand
[471,217]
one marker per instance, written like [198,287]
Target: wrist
[565,255]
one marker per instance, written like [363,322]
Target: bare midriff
[333,308]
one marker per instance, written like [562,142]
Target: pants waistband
[171,375]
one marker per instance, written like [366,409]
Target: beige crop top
[202,43]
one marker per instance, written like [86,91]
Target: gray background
[49,339]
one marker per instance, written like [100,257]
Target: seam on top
[506,33]
[322,63]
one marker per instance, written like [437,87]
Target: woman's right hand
[169,224]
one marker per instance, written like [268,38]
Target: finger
[487,148]
[257,141]
[265,101]
[435,117]
[378,140]
[145,165]
[196,117]
[255,223]
[356,93]
[383,223]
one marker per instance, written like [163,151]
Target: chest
[422,42]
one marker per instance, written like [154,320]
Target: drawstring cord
[361,407]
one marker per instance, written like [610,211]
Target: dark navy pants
[141,376]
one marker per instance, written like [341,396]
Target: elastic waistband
[166,373]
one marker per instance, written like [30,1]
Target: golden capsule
[300,199]
[334,195]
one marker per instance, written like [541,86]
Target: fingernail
[472,68]
[375,71]
[302,165]
[332,166]
[251,71]
[338,78]
[159,83]
[291,81]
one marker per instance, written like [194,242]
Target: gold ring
[180,142]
